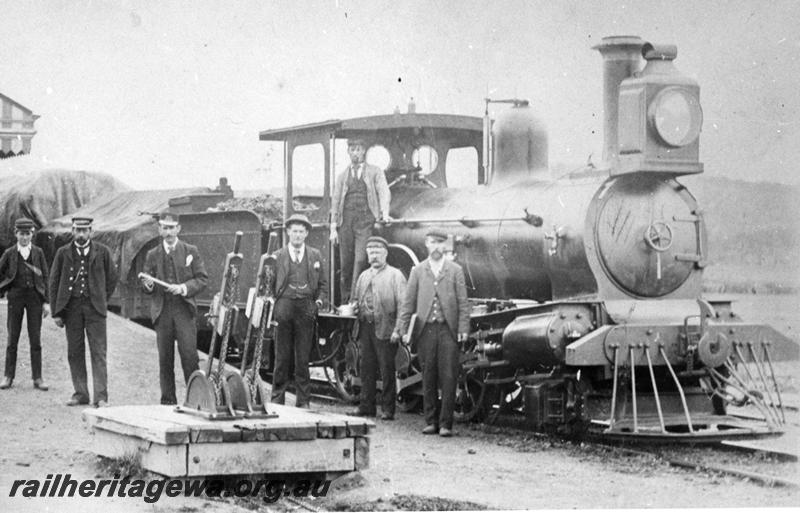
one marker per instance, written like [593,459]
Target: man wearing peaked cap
[361,196]
[174,308]
[82,222]
[437,293]
[23,277]
[377,296]
[82,278]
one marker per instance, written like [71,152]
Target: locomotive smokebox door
[659,118]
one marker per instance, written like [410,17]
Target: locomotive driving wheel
[342,370]
[470,394]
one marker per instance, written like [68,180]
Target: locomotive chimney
[621,59]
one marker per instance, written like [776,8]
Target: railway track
[699,463]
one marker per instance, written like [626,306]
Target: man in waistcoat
[378,294]
[82,278]
[173,309]
[360,197]
[301,288]
[437,293]
[23,278]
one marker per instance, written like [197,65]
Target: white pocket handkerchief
[188,260]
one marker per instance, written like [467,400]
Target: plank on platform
[168,460]
[319,455]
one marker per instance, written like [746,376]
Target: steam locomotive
[586,299]
[587,312]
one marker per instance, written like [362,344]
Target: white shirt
[83,250]
[357,170]
[293,253]
[169,249]
[436,267]
[25,251]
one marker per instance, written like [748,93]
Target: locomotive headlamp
[676,116]
[659,118]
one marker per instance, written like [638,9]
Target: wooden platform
[177,444]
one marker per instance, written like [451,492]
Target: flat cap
[377,241]
[437,234]
[298,219]
[357,141]
[23,224]
[168,219]
[82,222]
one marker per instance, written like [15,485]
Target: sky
[174,94]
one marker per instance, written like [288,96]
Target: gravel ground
[482,467]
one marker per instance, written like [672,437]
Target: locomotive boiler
[586,288]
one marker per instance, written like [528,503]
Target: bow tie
[170,249]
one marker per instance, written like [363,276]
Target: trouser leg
[430,392]
[34,308]
[386,353]
[346,256]
[304,322]
[284,349]
[76,352]
[448,364]
[186,335]
[369,366]
[96,333]
[15,311]
[165,340]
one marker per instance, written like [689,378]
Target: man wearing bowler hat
[173,308]
[360,197]
[377,297]
[301,288]
[23,277]
[437,293]
[82,278]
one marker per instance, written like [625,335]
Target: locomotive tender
[586,288]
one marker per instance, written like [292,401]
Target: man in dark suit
[361,196]
[174,308]
[23,276]
[82,278]
[437,293]
[301,288]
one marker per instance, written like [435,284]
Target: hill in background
[753,234]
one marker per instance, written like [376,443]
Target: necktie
[170,249]
[297,256]
[355,171]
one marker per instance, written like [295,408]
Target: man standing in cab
[437,293]
[82,278]
[378,294]
[361,196]
[301,289]
[173,309]
[23,277]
